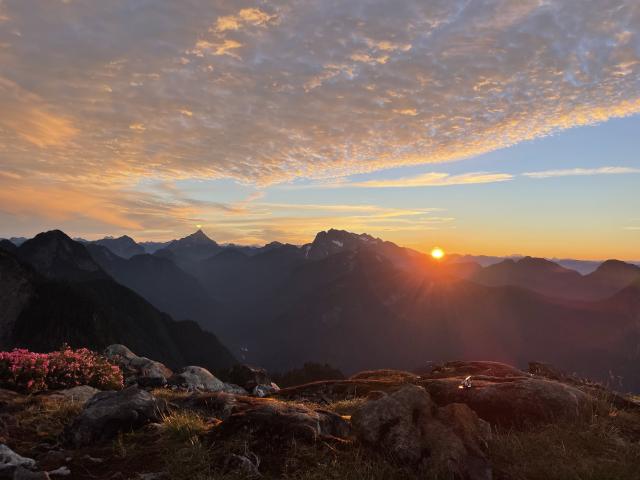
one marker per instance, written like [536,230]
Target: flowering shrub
[27,371]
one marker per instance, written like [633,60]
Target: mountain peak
[124,246]
[198,237]
[541,263]
[341,235]
[192,248]
[55,254]
[613,264]
[334,241]
[623,271]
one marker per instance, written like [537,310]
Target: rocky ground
[460,420]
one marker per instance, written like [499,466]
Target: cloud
[27,118]
[441,179]
[111,206]
[246,16]
[300,88]
[224,47]
[434,179]
[298,223]
[572,172]
[163,211]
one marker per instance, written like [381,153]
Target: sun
[437,253]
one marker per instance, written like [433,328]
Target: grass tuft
[184,426]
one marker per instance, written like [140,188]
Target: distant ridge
[52,291]
[124,246]
[56,256]
[549,278]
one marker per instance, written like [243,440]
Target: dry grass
[184,426]
[185,456]
[317,461]
[171,395]
[188,461]
[189,446]
[345,407]
[176,447]
[599,449]
[41,419]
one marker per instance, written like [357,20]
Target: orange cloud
[29,116]
[246,16]
[60,203]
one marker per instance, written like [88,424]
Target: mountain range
[52,292]
[348,299]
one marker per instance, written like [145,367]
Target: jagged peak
[196,238]
[198,235]
[334,233]
[275,243]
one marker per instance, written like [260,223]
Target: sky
[483,126]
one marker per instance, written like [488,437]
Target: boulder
[80,394]
[10,461]
[457,440]
[392,422]
[514,402]
[248,377]
[219,405]
[197,378]
[265,390]
[235,389]
[270,419]
[280,422]
[446,442]
[327,391]
[109,413]
[141,370]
